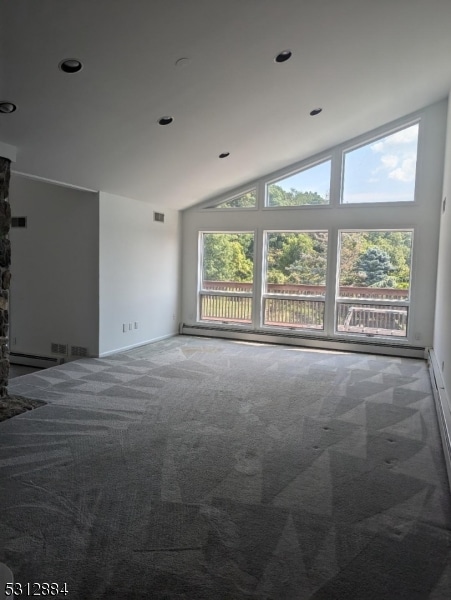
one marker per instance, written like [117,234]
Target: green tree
[298,258]
[374,268]
[293,197]
[228,257]
[245,201]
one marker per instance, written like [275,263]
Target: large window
[326,250]
[374,282]
[226,287]
[308,187]
[247,200]
[295,279]
[383,170]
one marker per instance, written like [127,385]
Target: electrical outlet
[136,324]
[124,327]
[130,326]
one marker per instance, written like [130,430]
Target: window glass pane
[292,313]
[311,186]
[295,266]
[296,262]
[375,264]
[227,266]
[248,200]
[226,309]
[371,319]
[228,261]
[382,171]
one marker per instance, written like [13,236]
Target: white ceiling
[365,62]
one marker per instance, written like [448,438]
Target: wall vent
[79,351]
[58,348]
[18,221]
[158,217]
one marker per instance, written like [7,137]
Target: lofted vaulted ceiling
[363,62]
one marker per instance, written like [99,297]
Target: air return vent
[58,348]
[158,217]
[19,222]
[78,351]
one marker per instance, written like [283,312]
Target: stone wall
[5,274]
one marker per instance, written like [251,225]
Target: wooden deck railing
[305,313]
[346,291]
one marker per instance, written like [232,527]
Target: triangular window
[247,200]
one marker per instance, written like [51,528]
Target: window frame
[264,294]
[212,205]
[366,140]
[372,301]
[201,291]
[300,168]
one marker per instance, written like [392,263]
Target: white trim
[138,345]
[54,182]
[443,407]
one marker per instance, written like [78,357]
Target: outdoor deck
[302,307]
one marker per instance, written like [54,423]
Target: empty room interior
[225,264]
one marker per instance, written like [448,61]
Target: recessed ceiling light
[165,120]
[70,65]
[315,111]
[224,154]
[283,56]
[7,107]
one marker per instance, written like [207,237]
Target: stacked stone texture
[5,274]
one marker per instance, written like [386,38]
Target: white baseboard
[341,345]
[138,345]
[443,406]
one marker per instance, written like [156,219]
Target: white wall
[139,273]
[442,330]
[55,267]
[423,216]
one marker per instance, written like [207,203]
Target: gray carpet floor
[211,469]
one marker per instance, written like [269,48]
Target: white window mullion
[331,282]
[258,278]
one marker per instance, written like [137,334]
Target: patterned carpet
[211,469]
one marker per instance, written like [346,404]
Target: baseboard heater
[443,406]
[294,339]
[31,360]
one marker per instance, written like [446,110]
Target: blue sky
[315,179]
[382,171]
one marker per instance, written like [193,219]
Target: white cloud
[400,138]
[378,147]
[397,155]
[406,171]
[389,161]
